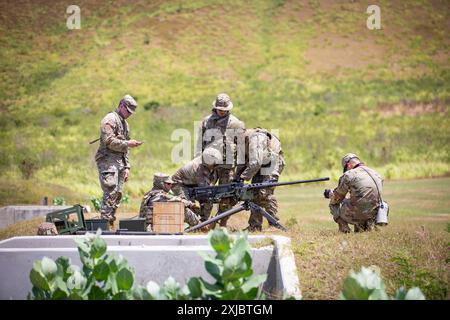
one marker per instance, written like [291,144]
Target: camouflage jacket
[213,121]
[114,133]
[155,195]
[193,173]
[263,152]
[363,192]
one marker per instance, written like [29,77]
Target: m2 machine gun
[239,192]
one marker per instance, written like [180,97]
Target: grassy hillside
[310,69]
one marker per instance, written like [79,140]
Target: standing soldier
[161,192]
[223,126]
[112,156]
[199,172]
[364,185]
[263,162]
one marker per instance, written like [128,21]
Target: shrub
[105,276]
[368,285]
[151,105]
[59,201]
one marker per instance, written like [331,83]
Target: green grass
[58,84]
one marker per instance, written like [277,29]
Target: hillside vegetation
[310,69]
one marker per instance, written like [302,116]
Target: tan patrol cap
[130,103]
[347,158]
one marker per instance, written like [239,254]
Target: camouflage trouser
[266,199]
[225,175]
[190,217]
[345,213]
[111,176]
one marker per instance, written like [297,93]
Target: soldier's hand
[327,193]
[134,143]
[126,175]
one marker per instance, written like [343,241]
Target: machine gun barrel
[276,184]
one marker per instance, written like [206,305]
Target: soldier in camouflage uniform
[161,191]
[221,124]
[47,229]
[199,172]
[364,185]
[112,156]
[263,162]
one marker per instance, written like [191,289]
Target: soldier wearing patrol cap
[112,156]
[162,191]
[365,186]
[222,125]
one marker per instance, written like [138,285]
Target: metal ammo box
[133,224]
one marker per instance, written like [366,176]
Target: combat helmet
[222,102]
[212,156]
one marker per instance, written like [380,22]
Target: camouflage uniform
[226,170]
[362,206]
[264,162]
[47,229]
[195,174]
[112,161]
[158,194]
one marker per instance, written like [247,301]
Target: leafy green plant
[125,199]
[231,268]
[59,201]
[104,276]
[97,203]
[368,285]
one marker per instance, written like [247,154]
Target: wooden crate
[168,217]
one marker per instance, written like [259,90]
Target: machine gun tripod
[246,205]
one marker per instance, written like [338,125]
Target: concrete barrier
[152,257]
[12,214]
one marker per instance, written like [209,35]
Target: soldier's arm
[339,193]
[110,139]
[255,157]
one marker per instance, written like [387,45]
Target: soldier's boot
[253,228]
[343,226]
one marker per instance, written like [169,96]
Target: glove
[326,193]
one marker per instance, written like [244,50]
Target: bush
[368,285]
[105,277]
[151,105]
[59,201]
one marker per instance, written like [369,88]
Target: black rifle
[238,191]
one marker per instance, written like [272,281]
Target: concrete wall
[152,257]
[12,214]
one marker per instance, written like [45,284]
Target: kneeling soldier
[364,185]
[161,191]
